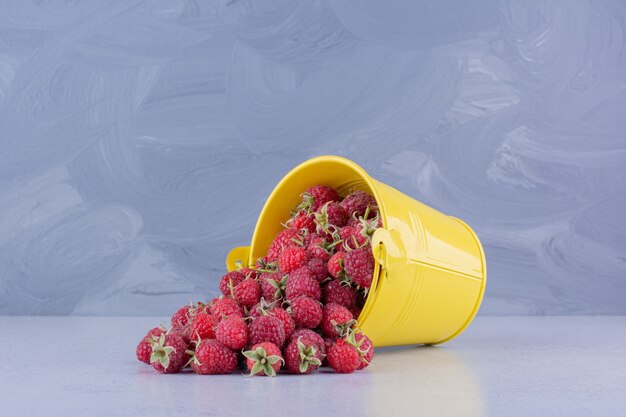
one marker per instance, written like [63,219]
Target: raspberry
[357,203]
[229,281]
[338,293]
[180,319]
[343,357]
[319,248]
[353,237]
[306,312]
[232,332]
[213,358]
[302,356]
[263,359]
[292,258]
[359,265]
[336,320]
[273,285]
[330,217]
[301,282]
[366,349]
[318,268]
[225,307]
[249,273]
[202,326]
[144,348]
[335,265]
[281,241]
[309,334]
[267,329]
[318,195]
[302,221]
[288,322]
[247,293]
[169,353]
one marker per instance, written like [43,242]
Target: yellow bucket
[430,270]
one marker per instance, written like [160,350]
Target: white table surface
[501,366]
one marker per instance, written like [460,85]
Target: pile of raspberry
[295,311]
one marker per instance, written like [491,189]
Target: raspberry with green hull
[263,359]
[213,358]
[302,282]
[365,347]
[310,334]
[303,356]
[180,319]
[302,221]
[230,281]
[336,320]
[359,266]
[273,285]
[169,352]
[267,329]
[306,312]
[330,217]
[318,195]
[343,358]
[144,348]
[357,203]
[353,237]
[232,332]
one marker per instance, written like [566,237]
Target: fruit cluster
[295,310]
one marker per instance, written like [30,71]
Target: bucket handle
[238,257]
[384,245]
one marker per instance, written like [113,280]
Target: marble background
[139,139]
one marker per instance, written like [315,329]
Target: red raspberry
[359,265]
[329,342]
[202,326]
[288,322]
[338,293]
[225,307]
[319,248]
[343,357]
[309,334]
[302,221]
[318,268]
[330,217]
[357,203]
[180,319]
[267,329]
[169,353]
[366,349]
[273,285]
[232,333]
[303,355]
[249,273]
[247,293]
[144,348]
[356,311]
[353,237]
[292,258]
[213,358]
[301,282]
[281,241]
[264,359]
[335,265]
[318,195]
[306,312]
[336,320]
[229,281]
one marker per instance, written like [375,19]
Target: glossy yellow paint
[430,272]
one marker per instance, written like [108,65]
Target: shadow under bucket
[430,270]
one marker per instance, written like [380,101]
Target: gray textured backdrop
[140,139]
